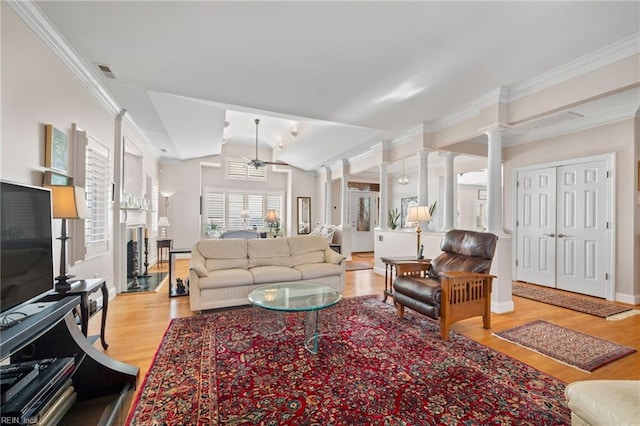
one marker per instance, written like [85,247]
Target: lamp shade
[167,194]
[244,214]
[68,202]
[163,221]
[418,214]
[271,216]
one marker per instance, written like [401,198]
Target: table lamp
[418,214]
[163,224]
[68,203]
[271,218]
[245,216]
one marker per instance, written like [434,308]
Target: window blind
[98,196]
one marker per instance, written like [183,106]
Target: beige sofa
[223,272]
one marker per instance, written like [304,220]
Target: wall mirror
[304,215]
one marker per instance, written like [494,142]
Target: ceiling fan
[256,162]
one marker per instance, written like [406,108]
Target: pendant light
[403,179]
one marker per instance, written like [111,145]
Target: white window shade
[98,196]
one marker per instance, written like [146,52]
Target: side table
[173,292]
[161,245]
[84,288]
[403,266]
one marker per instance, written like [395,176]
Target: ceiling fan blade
[276,163]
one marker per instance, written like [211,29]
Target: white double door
[562,220]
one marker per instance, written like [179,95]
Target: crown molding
[600,58]
[495,96]
[455,118]
[37,21]
[624,113]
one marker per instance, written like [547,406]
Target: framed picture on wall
[56,155]
[52,178]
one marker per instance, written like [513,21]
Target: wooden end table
[403,266]
[161,245]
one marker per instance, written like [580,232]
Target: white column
[384,189]
[501,296]
[344,194]
[449,214]
[494,181]
[328,197]
[423,177]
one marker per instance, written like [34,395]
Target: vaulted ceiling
[327,79]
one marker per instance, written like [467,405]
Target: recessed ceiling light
[163,150]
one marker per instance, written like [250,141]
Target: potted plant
[211,230]
[394,218]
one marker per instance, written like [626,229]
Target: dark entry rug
[236,368]
[147,284]
[568,346]
[565,299]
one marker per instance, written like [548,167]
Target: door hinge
[606,276]
[608,174]
[517,223]
[517,184]
[516,263]
[607,225]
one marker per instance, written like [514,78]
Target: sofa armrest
[459,274]
[196,263]
[331,256]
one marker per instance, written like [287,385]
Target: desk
[172,259]
[163,244]
[403,266]
[84,288]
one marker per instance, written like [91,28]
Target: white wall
[618,138]
[185,177]
[37,89]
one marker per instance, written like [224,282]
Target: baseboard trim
[502,308]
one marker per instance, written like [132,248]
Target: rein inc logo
[15,420]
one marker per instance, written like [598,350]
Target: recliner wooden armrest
[464,295]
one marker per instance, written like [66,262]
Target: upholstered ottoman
[604,402]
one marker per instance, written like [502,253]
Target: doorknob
[550,235]
[562,235]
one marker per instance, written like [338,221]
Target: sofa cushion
[272,274]
[268,252]
[223,249]
[316,270]
[313,257]
[226,278]
[306,244]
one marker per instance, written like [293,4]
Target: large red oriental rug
[246,367]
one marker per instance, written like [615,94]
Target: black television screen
[26,243]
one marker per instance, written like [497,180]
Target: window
[238,169]
[225,208]
[98,196]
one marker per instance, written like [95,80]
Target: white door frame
[610,160]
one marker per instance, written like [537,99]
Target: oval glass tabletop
[295,296]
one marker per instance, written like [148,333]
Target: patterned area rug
[570,347]
[358,266]
[564,299]
[249,367]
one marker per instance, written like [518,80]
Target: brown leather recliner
[458,285]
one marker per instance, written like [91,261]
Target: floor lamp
[418,214]
[68,203]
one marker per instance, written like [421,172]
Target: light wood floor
[137,322]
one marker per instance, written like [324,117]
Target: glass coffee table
[298,297]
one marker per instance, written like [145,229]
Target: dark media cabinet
[100,382]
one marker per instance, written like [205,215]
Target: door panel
[536,227]
[582,228]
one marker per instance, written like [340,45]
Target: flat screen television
[26,244]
